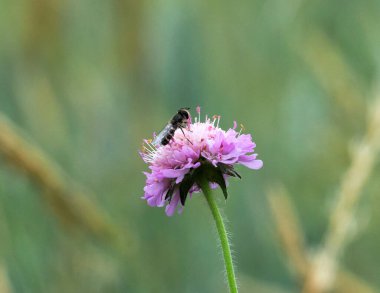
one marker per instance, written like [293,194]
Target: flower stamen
[198,109]
[242,128]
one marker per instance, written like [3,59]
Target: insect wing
[158,139]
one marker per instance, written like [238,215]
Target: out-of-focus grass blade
[69,202]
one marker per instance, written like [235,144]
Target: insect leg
[185,135]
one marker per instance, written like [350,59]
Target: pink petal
[171,173]
[255,164]
[170,208]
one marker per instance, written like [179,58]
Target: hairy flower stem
[204,184]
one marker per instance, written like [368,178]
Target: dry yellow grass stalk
[66,199]
[292,240]
[5,286]
[289,230]
[322,273]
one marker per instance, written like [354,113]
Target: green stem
[222,235]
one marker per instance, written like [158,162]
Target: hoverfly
[179,120]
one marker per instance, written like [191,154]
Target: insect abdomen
[169,136]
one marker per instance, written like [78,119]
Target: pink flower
[201,146]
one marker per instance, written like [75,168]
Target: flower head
[200,149]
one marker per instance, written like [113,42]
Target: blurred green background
[87,81]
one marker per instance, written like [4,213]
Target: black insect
[179,121]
